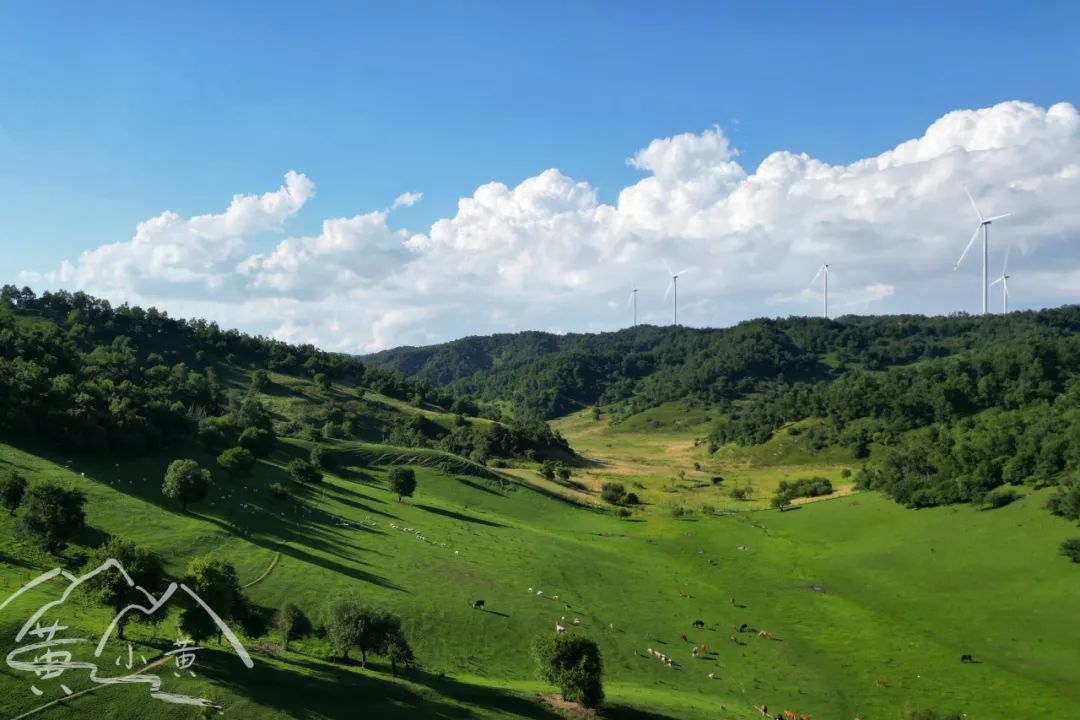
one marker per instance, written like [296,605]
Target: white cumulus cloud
[546,253]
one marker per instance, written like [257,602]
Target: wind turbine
[824,269]
[633,300]
[673,286]
[1004,280]
[984,223]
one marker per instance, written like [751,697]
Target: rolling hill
[868,605]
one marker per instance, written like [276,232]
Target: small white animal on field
[555,597]
[559,628]
[611,626]
[530,589]
[539,592]
[577,621]
[712,676]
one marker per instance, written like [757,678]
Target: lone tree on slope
[402,481]
[185,482]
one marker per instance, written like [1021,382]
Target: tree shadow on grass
[478,486]
[458,516]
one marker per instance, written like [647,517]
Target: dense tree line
[549,375]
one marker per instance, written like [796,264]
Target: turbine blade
[631,298]
[683,272]
[979,214]
[1005,265]
[970,243]
[671,284]
[1000,279]
[667,267]
[816,275]
[997,217]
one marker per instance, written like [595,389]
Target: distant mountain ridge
[550,375]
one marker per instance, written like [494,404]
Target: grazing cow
[764,634]
[577,621]
[699,624]
[478,605]
[559,628]
[530,589]
[733,605]
[694,652]
[764,709]
[555,597]
[712,676]
[734,639]
[702,648]
[682,636]
[789,715]
[804,716]
[743,627]
[966,659]
[566,605]
[539,592]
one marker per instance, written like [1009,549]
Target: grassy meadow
[869,605]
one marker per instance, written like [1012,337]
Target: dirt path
[842,491]
[273,563]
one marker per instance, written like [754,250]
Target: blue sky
[111,113]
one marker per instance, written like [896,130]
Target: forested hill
[551,375]
[80,375]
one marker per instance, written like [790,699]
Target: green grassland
[647,451]
[869,605]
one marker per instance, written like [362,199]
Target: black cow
[966,659]
[478,605]
[699,624]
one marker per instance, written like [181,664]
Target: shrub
[237,461]
[258,441]
[292,623]
[741,493]
[678,511]
[304,472]
[717,480]
[708,509]
[51,515]
[571,663]
[1071,549]
[402,481]
[806,487]
[185,482]
[623,512]
[781,501]
[12,489]
[923,714]
[279,491]
[323,458]
[612,492]
[1000,498]
[845,473]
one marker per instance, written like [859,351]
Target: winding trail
[273,563]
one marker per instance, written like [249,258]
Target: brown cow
[764,634]
[789,715]
[734,639]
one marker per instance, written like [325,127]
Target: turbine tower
[673,286]
[633,300]
[824,269]
[1004,280]
[984,223]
